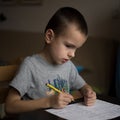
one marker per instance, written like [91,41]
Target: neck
[45,54]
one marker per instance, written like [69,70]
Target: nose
[71,54]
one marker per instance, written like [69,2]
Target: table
[43,115]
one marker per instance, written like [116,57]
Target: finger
[69,96]
[67,99]
[89,101]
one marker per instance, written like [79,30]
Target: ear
[49,36]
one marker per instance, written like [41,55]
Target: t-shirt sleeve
[22,80]
[76,81]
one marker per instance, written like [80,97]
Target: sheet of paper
[100,111]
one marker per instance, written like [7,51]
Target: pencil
[55,89]
[52,87]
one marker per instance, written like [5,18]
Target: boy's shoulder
[30,59]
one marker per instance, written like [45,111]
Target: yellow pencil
[55,89]
[52,87]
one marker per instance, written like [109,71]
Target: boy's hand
[60,100]
[89,95]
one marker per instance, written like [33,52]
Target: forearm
[14,104]
[18,106]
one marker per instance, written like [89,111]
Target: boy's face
[63,48]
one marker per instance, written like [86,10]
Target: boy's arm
[88,94]
[14,104]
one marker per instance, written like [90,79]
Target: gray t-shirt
[30,80]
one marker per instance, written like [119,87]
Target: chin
[59,63]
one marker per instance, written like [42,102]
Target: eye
[68,46]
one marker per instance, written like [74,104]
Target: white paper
[100,111]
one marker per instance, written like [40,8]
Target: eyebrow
[71,45]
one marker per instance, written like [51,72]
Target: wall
[16,44]
[98,14]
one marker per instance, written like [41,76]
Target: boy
[64,34]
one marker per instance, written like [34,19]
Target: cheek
[60,52]
[55,51]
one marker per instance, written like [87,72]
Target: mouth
[64,60]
